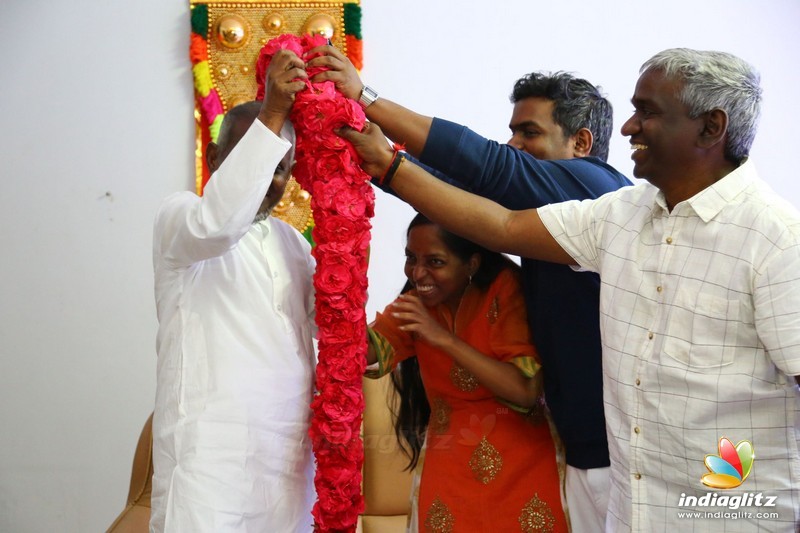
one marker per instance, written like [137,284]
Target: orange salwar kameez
[488,466]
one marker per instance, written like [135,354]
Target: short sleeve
[573,225]
[509,334]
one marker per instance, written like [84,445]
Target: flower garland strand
[342,201]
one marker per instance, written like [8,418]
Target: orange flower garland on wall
[342,201]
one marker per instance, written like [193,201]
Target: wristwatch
[368,96]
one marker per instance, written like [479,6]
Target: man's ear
[715,126]
[211,156]
[583,140]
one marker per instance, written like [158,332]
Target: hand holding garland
[401,124]
[284,78]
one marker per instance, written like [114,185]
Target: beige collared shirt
[700,321]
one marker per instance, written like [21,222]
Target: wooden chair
[135,518]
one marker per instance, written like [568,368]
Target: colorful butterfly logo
[731,467]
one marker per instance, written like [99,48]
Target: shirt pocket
[702,330]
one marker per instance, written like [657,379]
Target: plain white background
[96,111]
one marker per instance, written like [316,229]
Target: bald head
[235,124]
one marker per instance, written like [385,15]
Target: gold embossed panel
[226,40]
[236,33]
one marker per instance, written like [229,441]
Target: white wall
[96,107]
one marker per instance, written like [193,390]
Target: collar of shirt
[263,226]
[708,203]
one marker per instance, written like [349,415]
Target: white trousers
[587,498]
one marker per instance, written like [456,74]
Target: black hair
[578,104]
[413,409]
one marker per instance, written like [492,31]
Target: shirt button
[659,288]
[669,240]
[636,430]
[279,307]
[649,334]
[638,382]
[637,475]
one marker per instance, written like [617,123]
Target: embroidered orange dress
[488,467]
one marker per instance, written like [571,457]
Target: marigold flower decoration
[342,201]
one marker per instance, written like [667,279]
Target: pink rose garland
[342,201]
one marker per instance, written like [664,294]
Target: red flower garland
[343,202]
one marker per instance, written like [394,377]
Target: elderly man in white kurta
[235,354]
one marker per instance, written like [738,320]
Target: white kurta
[235,356]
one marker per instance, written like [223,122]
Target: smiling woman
[464,327]
[438,273]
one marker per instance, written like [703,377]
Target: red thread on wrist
[396,162]
[389,168]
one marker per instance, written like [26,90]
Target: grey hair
[716,80]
